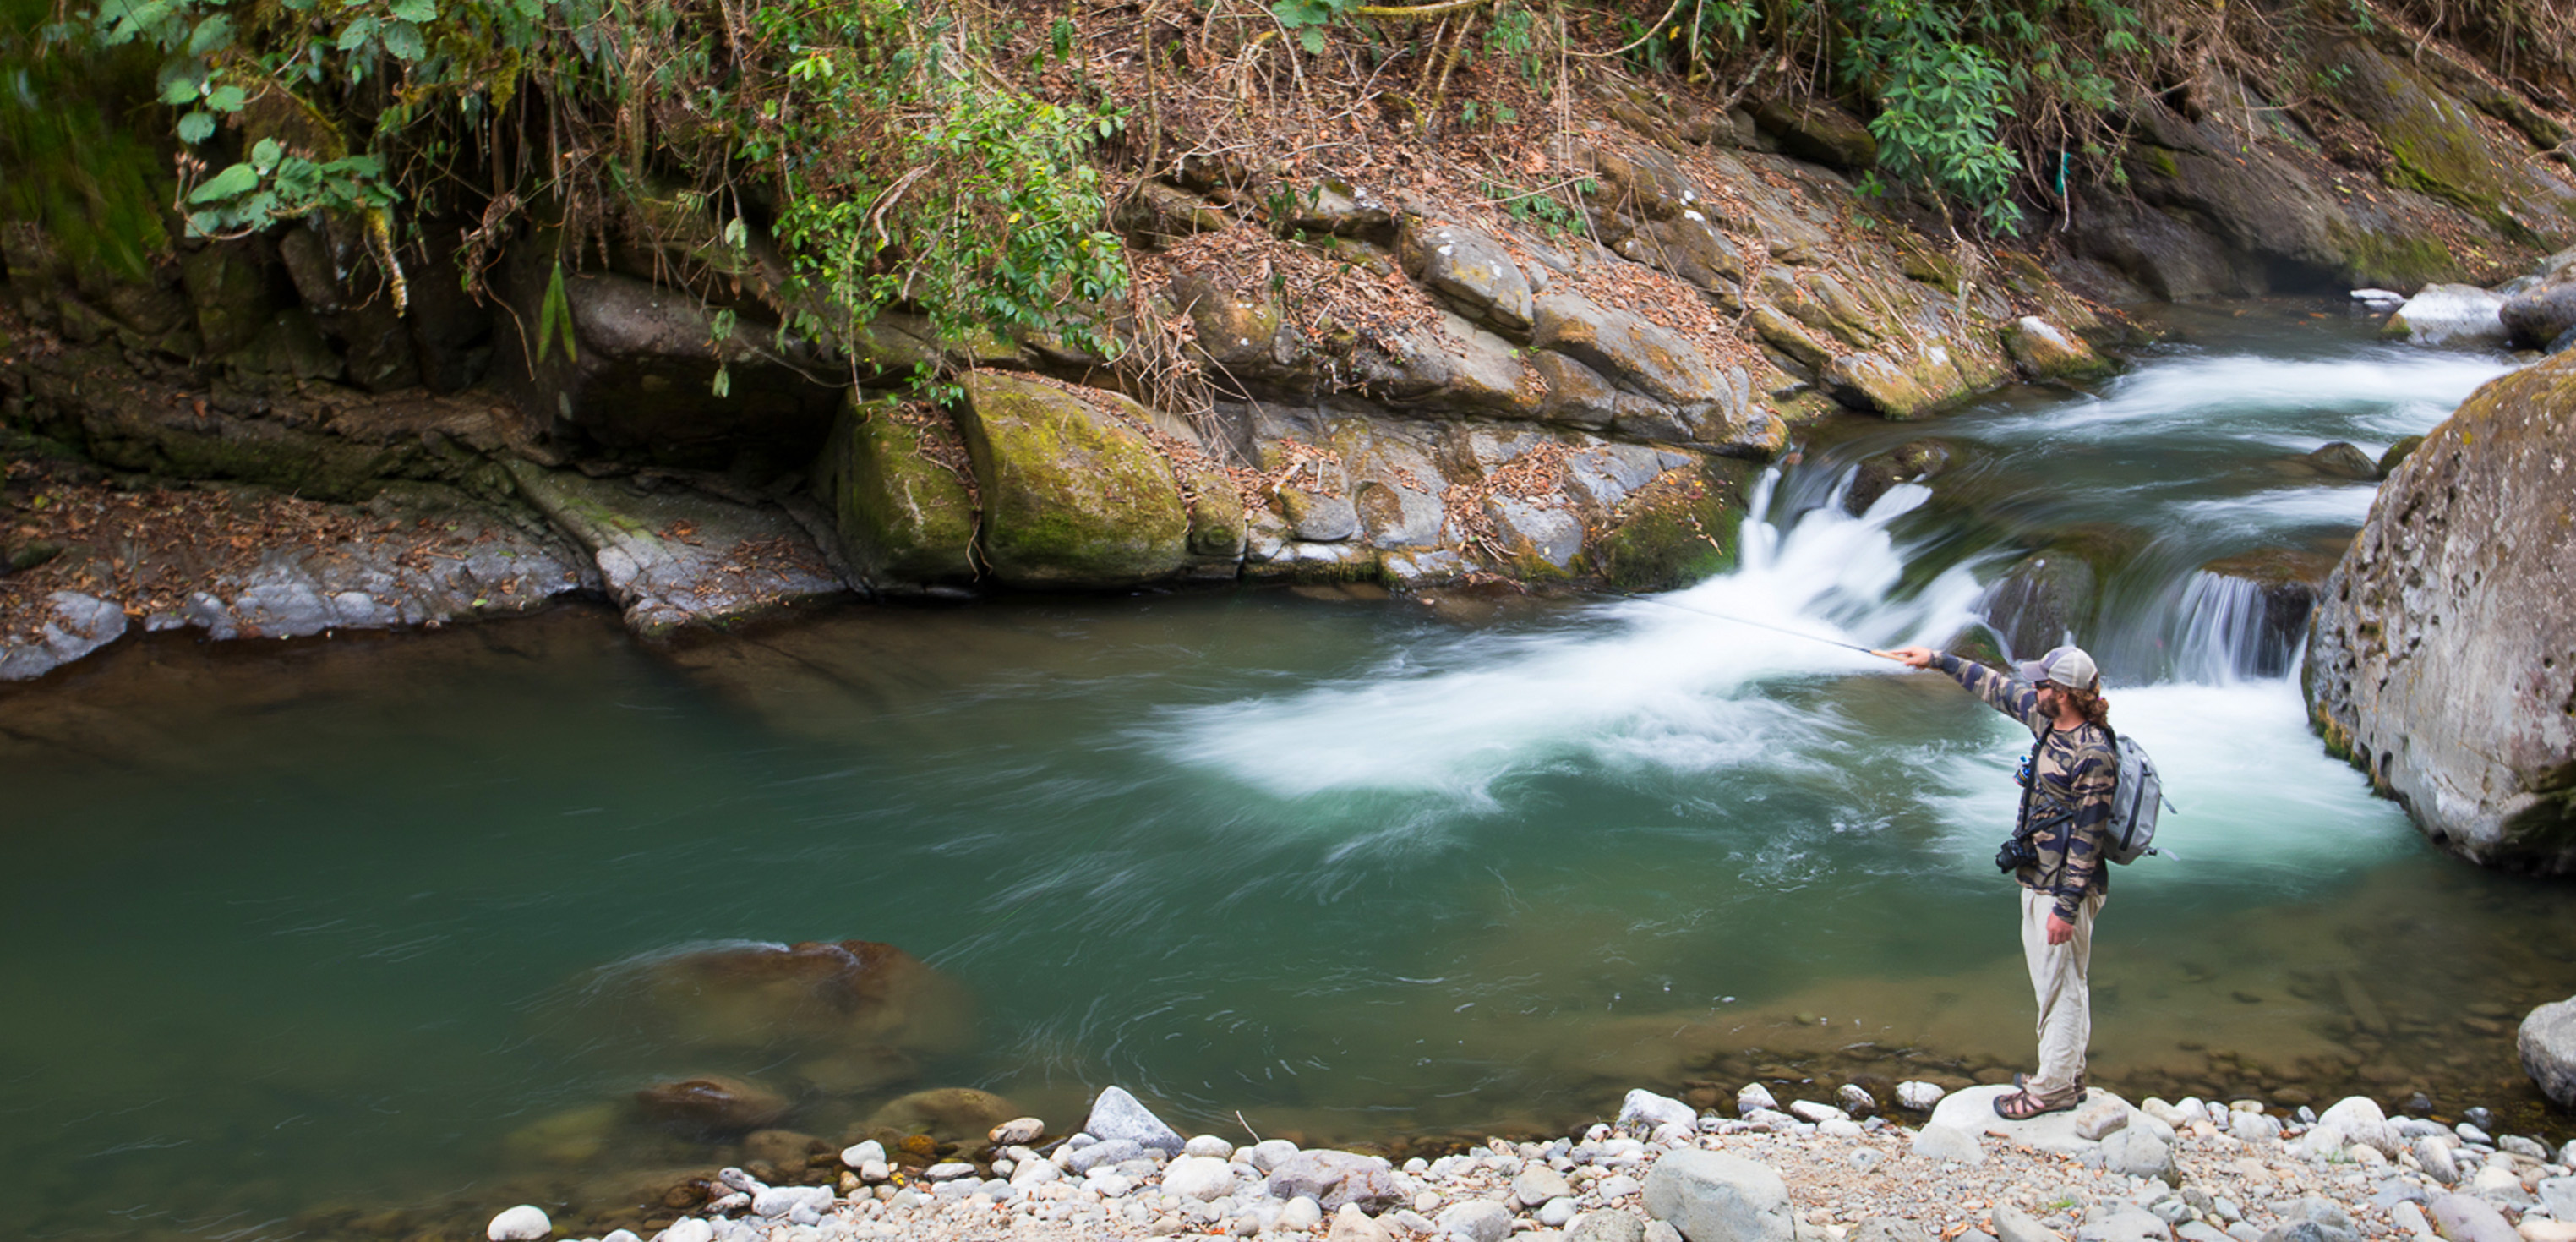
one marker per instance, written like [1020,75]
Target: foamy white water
[1676,680]
[2370,397]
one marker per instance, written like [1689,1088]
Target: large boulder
[2441,654]
[1074,494]
[895,477]
[1713,1197]
[2547,1043]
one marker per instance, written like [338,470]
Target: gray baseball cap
[2067,666]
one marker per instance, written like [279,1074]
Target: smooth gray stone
[2199,1231]
[1712,1197]
[1118,1115]
[781,1200]
[1940,1142]
[1644,1111]
[2306,1231]
[2136,1153]
[2122,1222]
[1660,1231]
[2323,1211]
[2558,1194]
[2462,1218]
[1538,1183]
[1888,1229]
[2435,1156]
[1477,1220]
[2012,1225]
[1266,1154]
[1607,1226]
[1107,1151]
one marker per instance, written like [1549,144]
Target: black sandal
[2022,1106]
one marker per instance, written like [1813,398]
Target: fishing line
[1759,625]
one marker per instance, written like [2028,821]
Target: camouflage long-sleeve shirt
[2069,810]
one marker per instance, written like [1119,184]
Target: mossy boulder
[1818,131]
[2045,351]
[1895,386]
[1074,496]
[1682,527]
[898,501]
[2442,659]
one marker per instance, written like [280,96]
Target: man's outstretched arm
[2002,693]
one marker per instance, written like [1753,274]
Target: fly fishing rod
[1759,625]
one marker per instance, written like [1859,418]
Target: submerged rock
[2441,659]
[858,1012]
[712,1105]
[957,1114]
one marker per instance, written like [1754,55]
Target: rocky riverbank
[1934,1166]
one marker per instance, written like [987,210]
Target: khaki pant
[2060,976]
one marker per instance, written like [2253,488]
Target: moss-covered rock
[1676,530]
[1073,495]
[902,509]
[2045,351]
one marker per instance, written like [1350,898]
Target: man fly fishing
[2057,850]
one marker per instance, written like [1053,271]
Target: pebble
[1208,1145]
[1918,1097]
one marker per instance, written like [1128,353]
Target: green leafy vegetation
[870,138]
[94,187]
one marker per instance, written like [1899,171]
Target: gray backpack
[2137,797]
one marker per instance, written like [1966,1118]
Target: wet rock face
[676,559]
[2042,601]
[640,384]
[2443,656]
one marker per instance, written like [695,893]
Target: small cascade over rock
[2245,616]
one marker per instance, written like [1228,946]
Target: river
[298,932]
